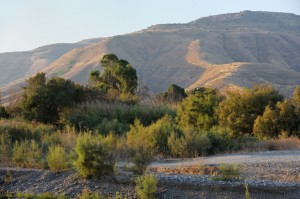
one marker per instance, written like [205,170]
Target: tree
[34,102]
[174,94]
[239,111]
[3,112]
[296,95]
[266,126]
[42,100]
[117,74]
[282,118]
[198,110]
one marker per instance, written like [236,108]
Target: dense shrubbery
[113,116]
[93,159]
[57,159]
[113,125]
[146,186]
[27,154]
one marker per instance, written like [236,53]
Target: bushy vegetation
[60,125]
[93,159]
[27,154]
[57,159]
[146,186]
[113,116]
[228,172]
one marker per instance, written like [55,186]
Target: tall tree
[117,74]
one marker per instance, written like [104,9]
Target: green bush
[27,154]
[113,116]
[189,144]
[24,195]
[87,194]
[3,112]
[57,159]
[140,146]
[19,129]
[5,148]
[146,186]
[93,159]
[229,172]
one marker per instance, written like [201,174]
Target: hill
[224,51]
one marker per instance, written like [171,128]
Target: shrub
[93,159]
[57,159]
[229,172]
[160,131]
[189,144]
[5,148]
[140,145]
[27,154]
[87,194]
[115,144]
[19,129]
[24,195]
[113,116]
[146,186]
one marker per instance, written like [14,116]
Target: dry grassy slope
[16,65]
[224,51]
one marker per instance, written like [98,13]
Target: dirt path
[269,175]
[291,156]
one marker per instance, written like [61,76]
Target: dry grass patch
[290,143]
[193,170]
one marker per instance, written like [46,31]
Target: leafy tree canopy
[42,100]
[198,110]
[117,74]
[239,111]
[173,94]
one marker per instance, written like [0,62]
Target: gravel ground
[269,175]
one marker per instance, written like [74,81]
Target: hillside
[225,51]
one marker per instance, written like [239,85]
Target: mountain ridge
[226,51]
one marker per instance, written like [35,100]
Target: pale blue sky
[27,24]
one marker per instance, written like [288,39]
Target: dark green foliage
[173,94]
[42,100]
[239,111]
[3,112]
[19,130]
[113,116]
[198,110]
[281,119]
[93,159]
[117,74]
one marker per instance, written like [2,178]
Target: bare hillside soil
[271,175]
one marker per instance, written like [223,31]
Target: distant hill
[224,51]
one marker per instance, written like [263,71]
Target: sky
[28,24]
